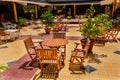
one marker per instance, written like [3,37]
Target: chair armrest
[33,47]
[38,42]
[77,43]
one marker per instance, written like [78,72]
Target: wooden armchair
[77,58]
[49,60]
[113,33]
[31,48]
[61,35]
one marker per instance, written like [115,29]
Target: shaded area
[1,47]
[10,63]
[95,58]
[49,72]
[28,65]
[90,69]
[14,72]
[117,52]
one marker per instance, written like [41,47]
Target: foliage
[3,67]
[102,21]
[92,26]
[90,11]
[22,21]
[69,17]
[47,19]
[32,11]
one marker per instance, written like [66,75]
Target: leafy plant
[47,19]
[3,67]
[22,21]
[69,17]
[102,22]
[32,11]
[92,26]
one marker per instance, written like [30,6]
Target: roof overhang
[87,3]
[23,2]
[106,2]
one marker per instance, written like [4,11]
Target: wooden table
[56,43]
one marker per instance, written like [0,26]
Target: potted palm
[47,20]
[93,26]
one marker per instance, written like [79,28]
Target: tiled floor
[107,69]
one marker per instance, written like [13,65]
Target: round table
[55,42]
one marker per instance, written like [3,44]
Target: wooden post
[114,7]
[106,9]
[74,10]
[36,11]
[15,12]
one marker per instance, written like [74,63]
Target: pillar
[114,7]
[106,9]
[15,12]
[36,11]
[74,10]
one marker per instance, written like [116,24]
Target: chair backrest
[85,50]
[57,24]
[47,54]
[113,33]
[61,35]
[28,42]
[2,33]
[49,61]
[29,47]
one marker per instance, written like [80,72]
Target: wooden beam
[36,11]
[114,7]
[106,9]
[74,10]
[15,12]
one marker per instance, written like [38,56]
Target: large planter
[83,42]
[47,30]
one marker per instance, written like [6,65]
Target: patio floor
[106,68]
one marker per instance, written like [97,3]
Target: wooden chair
[49,60]
[57,26]
[113,33]
[77,58]
[61,35]
[4,36]
[31,48]
[64,25]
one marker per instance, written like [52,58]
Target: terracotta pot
[47,30]
[83,42]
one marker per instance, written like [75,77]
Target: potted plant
[21,21]
[93,26]
[47,20]
[32,11]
